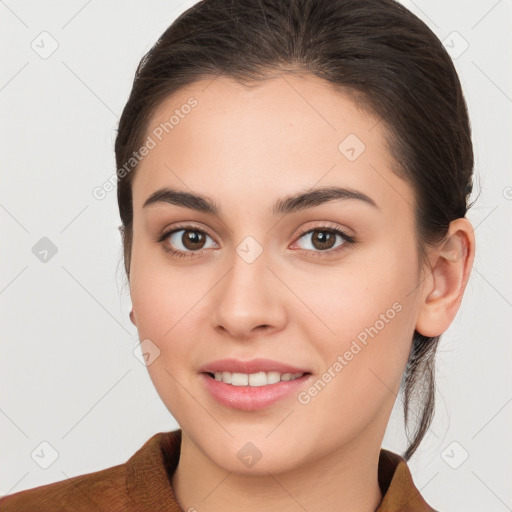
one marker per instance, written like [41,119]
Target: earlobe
[132,318]
[449,274]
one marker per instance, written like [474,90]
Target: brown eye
[324,239]
[192,240]
[187,240]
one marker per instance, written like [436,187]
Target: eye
[188,241]
[325,238]
[185,239]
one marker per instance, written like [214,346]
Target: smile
[254,379]
[253,391]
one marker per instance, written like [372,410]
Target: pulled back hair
[376,51]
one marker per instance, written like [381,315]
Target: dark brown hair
[375,50]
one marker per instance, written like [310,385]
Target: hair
[376,51]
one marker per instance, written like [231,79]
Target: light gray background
[69,376]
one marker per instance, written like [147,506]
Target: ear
[132,318]
[444,287]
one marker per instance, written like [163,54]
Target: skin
[246,147]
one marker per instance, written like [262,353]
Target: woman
[293,180]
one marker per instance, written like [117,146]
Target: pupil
[192,239]
[324,239]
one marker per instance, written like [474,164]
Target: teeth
[255,379]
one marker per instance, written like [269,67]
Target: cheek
[366,314]
[169,307]
[164,303]
[363,361]
[360,294]
[160,294]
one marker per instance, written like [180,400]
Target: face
[325,286]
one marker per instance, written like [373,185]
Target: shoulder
[101,490]
[131,486]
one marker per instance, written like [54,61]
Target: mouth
[253,391]
[252,384]
[257,379]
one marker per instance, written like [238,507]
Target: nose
[248,300]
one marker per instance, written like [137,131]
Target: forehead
[252,142]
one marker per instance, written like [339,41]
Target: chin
[259,457]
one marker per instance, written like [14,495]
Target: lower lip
[250,398]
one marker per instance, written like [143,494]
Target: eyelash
[347,239]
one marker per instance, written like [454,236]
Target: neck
[344,480]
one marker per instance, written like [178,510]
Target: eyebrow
[289,204]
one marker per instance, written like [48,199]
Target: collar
[397,486]
[149,472]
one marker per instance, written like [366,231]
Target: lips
[252,398]
[252,385]
[251,366]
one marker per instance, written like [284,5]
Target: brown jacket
[142,484]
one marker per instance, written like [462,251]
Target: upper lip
[251,366]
